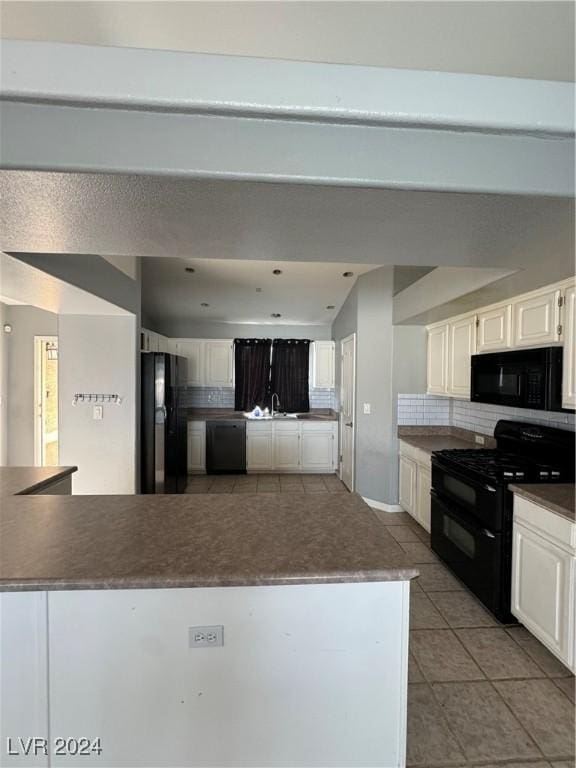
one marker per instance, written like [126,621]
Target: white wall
[27,322]
[97,354]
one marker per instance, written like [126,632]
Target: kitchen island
[105,599]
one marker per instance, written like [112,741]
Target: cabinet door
[423,484]
[287,450]
[259,449]
[317,451]
[536,320]
[461,347]
[407,485]
[323,364]
[494,329]
[193,351]
[569,361]
[219,363]
[196,446]
[438,360]
[542,590]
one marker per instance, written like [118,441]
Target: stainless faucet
[277,402]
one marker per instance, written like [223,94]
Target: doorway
[46,401]
[347,409]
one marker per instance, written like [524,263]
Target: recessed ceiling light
[275,314]
[276,271]
[204,304]
[347,274]
[330,306]
[189,269]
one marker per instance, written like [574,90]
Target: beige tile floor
[265,483]
[479,693]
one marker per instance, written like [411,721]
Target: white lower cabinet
[196,446]
[415,479]
[543,576]
[292,447]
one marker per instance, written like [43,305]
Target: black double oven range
[471,528]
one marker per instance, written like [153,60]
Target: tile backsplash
[223,397]
[477,417]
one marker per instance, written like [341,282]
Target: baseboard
[382,507]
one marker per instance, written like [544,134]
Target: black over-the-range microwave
[525,378]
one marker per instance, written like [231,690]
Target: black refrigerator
[163,425]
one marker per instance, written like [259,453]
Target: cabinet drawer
[416,454]
[282,427]
[319,426]
[259,428]
[553,527]
[196,426]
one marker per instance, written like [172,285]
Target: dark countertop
[214,414]
[25,480]
[558,498]
[437,438]
[200,540]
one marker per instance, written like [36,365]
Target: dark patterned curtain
[252,373]
[289,379]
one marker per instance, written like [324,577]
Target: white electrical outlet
[206,637]
[480,439]
[98,412]
[367,409]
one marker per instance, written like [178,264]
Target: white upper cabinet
[193,351]
[461,347]
[569,357]
[438,360]
[323,364]
[536,319]
[219,362]
[494,329]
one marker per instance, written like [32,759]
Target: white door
[219,363]
[423,484]
[536,320]
[347,409]
[494,329]
[462,345]
[193,351]
[317,451]
[542,596]
[437,367]
[569,362]
[259,454]
[46,446]
[287,450]
[407,489]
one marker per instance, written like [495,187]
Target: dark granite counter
[212,414]
[125,542]
[29,480]
[558,498]
[438,438]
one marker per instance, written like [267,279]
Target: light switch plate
[366,409]
[98,412]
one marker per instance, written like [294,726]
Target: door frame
[38,381]
[350,337]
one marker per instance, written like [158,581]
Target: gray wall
[388,358]
[26,322]
[3,387]
[192,329]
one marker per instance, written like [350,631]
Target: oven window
[459,536]
[500,382]
[460,490]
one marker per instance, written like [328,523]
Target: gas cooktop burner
[500,466]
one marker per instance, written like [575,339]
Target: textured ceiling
[120,215]
[245,291]
[515,39]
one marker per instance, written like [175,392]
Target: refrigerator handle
[160,414]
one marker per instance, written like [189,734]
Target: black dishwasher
[226,447]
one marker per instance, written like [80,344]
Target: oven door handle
[462,477]
[486,532]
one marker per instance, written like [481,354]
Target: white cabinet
[219,361]
[536,319]
[193,351]
[461,347]
[407,484]
[318,449]
[569,357]
[259,447]
[286,447]
[323,364]
[415,480]
[543,576]
[437,368]
[494,329]
[196,446]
